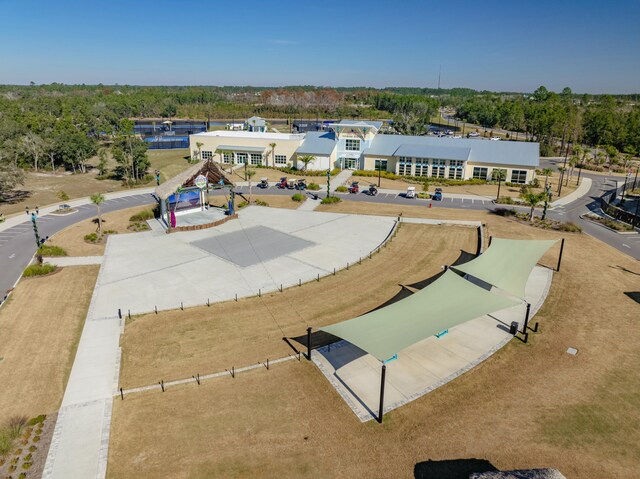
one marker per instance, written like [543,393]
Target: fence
[616,212]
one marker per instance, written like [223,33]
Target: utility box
[514,328]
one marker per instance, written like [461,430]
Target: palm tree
[199,145]
[249,174]
[532,200]
[273,154]
[306,159]
[97,199]
[547,172]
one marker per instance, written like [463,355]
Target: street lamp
[34,217]
[328,182]
[547,199]
[624,185]
[499,183]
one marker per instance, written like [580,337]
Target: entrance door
[350,163]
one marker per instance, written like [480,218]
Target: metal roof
[359,123]
[482,151]
[251,149]
[441,152]
[317,143]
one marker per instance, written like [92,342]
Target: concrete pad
[428,364]
[74,260]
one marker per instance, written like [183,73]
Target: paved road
[18,244]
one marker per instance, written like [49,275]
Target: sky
[589,46]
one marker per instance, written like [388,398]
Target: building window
[422,167]
[352,145]
[380,165]
[241,158]
[519,176]
[207,155]
[479,173]
[404,166]
[256,159]
[456,169]
[227,157]
[281,159]
[438,168]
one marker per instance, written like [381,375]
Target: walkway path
[312,203]
[74,260]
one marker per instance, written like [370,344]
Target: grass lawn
[41,189]
[177,344]
[40,328]
[72,238]
[527,406]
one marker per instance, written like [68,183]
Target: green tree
[532,200]
[34,146]
[97,199]
[249,174]
[10,177]
[306,159]
[273,154]
[102,162]
[130,152]
[547,173]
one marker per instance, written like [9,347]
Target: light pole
[635,179]
[547,199]
[624,185]
[499,183]
[379,171]
[328,182]
[34,217]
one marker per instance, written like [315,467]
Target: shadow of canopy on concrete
[447,302]
[507,263]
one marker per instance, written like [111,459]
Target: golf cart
[373,191]
[437,196]
[301,185]
[264,183]
[354,188]
[291,184]
[411,192]
[282,184]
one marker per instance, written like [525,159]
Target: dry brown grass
[72,238]
[39,329]
[43,188]
[527,406]
[177,344]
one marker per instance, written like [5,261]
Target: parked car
[473,134]
[437,195]
[495,138]
[301,185]
[354,188]
[373,191]
[411,192]
[264,183]
[282,184]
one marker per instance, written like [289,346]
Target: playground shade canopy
[447,302]
[507,263]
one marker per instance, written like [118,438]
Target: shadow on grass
[451,469]
[635,295]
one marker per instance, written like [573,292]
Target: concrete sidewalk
[74,260]
[578,193]
[311,204]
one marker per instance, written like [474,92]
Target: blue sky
[590,46]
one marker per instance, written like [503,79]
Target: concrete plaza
[428,364]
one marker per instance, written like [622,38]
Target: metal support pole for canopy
[526,318]
[560,256]
[309,344]
[381,407]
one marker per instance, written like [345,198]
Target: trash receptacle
[514,328]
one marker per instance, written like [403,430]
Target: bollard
[129,314]
[360,260]
[259,293]
[347,266]
[236,297]
[369,254]
[318,276]
[233,372]
[334,271]
[119,311]
[156,308]
[121,394]
[299,282]
[267,364]
[208,302]
[181,306]
[197,378]
[281,287]
[162,384]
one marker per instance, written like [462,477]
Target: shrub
[505,200]
[298,197]
[241,205]
[15,425]
[92,238]
[6,444]
[142,216]
[313,186]
[261,203]
[33,449]
[342,189]
[109,232]
[38,270]
[424,196]
[48,250]
[26,466]
[569,227]
[535,183]
[330,200]
[140,226]
[37,420]
[62,196]
[505,212]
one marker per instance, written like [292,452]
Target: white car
[474,134]
[411,192]
[495,138]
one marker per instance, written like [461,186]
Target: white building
[357,145]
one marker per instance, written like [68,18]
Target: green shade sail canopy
[507,263]
[447,302]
